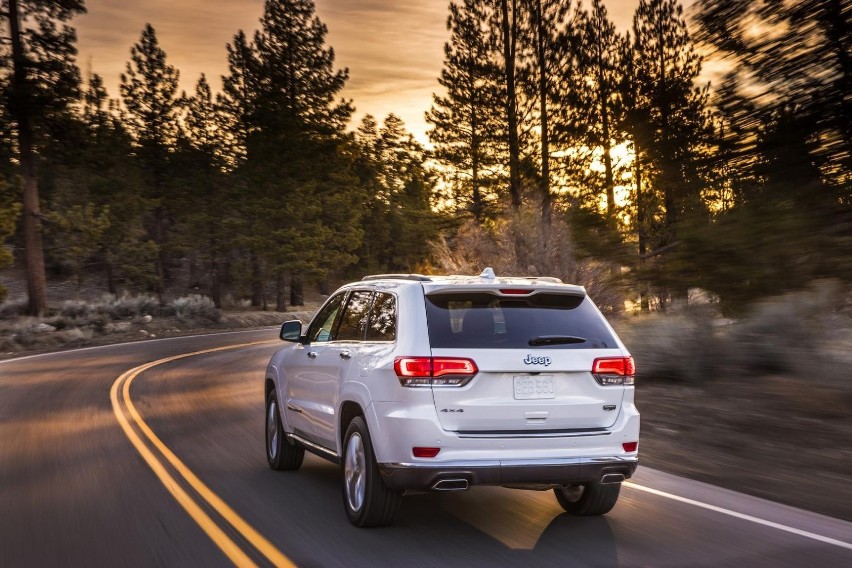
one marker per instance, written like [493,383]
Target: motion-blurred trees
[783,209]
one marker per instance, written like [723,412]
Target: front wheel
[281,453]
[368,501]
[588,499]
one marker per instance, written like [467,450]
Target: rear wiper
[556,340]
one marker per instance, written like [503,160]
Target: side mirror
[291,331]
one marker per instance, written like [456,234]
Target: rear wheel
[588,499]
[281,452]
[368,501]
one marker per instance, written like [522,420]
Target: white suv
[438,383]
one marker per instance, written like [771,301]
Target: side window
[382,318]
[322,327]
[354,321]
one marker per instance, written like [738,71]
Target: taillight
[515,291]
[630,446]
[434,371]
[610,371]
[419,452]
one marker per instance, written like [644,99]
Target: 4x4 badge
[533,360]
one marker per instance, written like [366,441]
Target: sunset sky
[393,48]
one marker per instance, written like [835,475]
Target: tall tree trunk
[258,298]
[546,199]
[280,293]
[475,142]
[297,291]
[666,175]
[20,111]
[640,229]
[609,178]
[112,288]
[510,33]
[159,232]
[215,283]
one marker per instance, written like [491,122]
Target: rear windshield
[541,321]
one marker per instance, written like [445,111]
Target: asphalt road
[76,491]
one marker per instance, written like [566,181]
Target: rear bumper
[424,476]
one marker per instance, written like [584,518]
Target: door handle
[345,355]
[312,354]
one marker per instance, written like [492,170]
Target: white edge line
[785,528]
[141,340]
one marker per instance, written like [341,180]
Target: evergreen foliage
[467,125]
[40,79]
[560,146]
[151,111]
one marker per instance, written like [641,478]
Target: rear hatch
[534,351]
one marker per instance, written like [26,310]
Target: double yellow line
[155,451]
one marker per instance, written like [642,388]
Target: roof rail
[415,277]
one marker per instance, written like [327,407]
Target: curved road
[75,490]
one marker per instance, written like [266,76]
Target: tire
[366,498]
[588,499]
[281,452]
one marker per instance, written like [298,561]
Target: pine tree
[149,91]
[208,224]
[467,124]
[549,38]
[238,100]
[510,20]
[408,186]
[298,83]
[107,175]
[600,68]
[44,79]
[303,218]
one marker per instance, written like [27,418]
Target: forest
[559,145]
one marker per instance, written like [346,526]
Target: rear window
[540,321]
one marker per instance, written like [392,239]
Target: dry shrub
[127,305]
[11,308]
[687,347]
[519,244]
[805,334]
[195,307]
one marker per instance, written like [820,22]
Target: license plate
[539,386]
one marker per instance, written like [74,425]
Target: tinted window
[382,318]
[322,326]
[353,324]
[482,320]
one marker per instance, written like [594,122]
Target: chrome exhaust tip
[450,485]
[612,478]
